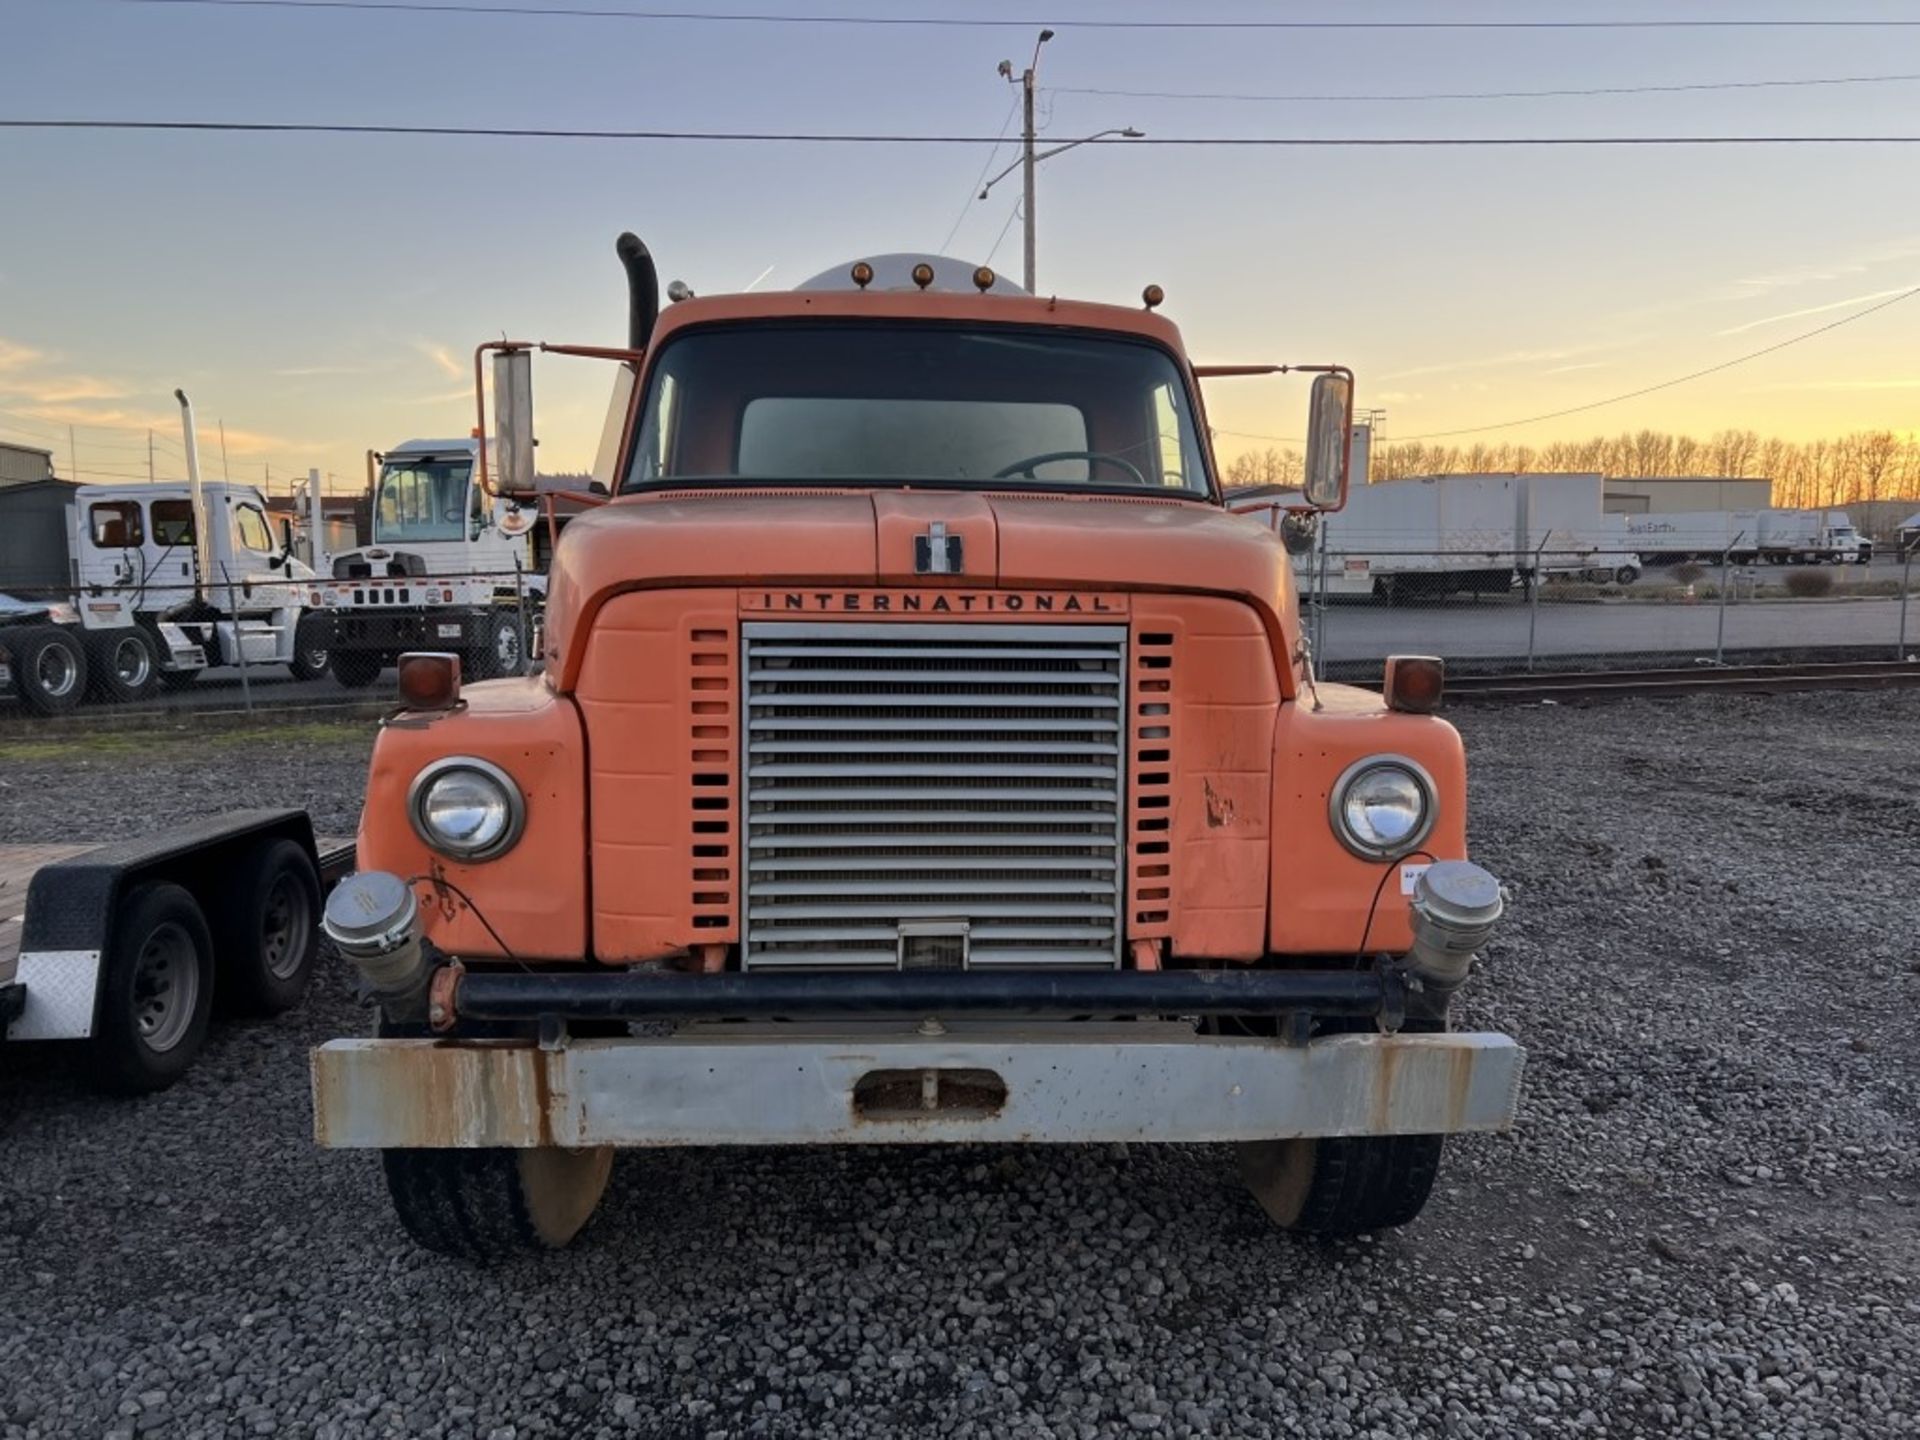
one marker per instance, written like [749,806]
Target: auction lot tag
[1410,876]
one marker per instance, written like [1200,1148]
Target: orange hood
[860,538]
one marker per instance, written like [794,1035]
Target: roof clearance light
[983,279]
[1152,296]
[923,275]
[862,274]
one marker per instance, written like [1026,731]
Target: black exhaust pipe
[643,289]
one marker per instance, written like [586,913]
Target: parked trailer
[125,946]
[1680,536]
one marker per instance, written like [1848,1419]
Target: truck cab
[448,566]
[921,753]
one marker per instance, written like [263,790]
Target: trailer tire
[1337,1185]
[267,935]
[156,990]
[123,665]
[1626,575]
[310,657]
[355,669]
[485,1205]
[50,669]
[499,651]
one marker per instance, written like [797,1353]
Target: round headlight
[467,808]
[1382,807]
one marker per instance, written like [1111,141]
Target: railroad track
[1686,680]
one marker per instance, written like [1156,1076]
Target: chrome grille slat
[909,772]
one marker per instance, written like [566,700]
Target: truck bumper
[887,1083]
[388,632]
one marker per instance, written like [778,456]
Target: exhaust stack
[1456,904]
[202,521]
[643,289]
[372,919]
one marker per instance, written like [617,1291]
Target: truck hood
[846,539]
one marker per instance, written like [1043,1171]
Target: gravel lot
[1705,1223]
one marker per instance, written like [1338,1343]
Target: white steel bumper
[889,1084]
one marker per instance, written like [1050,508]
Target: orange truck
[920,752]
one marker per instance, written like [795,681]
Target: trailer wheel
[124,665]
[499,651]
[485,1205]
[156,990]
[355,669]
[1342,1185]
[1626,575]
[266,935]
[309,652]
[50,670]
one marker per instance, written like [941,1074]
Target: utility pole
[1029,160]
[73,456]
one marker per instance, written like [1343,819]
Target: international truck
[921,753]
[448,567]
[164,580]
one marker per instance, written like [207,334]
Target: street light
[1028,159]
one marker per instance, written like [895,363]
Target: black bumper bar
[642,995]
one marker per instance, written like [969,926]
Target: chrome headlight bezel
[516,804]
[1360,845]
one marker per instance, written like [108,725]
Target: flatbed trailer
[125,945]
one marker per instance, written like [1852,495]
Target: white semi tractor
[446,568]
[160,581]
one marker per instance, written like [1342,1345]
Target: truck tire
[309,651]
[266,934]
[124,665]
[499,651]
[356,669]
[1342,1185]
[156,991]
[49,669]
[1626,575]
[485,1205]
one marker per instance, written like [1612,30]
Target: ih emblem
[936,552]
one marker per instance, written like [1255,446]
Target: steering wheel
[1027,466]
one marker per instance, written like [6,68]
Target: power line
[973,190]
[265,127]
[972,22]
[1631,394]
[1485,94]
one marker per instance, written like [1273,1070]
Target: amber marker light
[983,279]
[923,275]
[862,274]
[1152,296]
[1414,683]
[429,680]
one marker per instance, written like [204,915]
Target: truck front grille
[933,795]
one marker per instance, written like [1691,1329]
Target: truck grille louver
[933,794]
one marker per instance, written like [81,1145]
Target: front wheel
[1338,1185]
[309,650]
[485,1205]
[499,651]
[124,665]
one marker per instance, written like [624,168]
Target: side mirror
[513,419]
[1329,440]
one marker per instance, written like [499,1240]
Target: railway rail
[1684,680]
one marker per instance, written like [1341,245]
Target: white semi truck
[161,581]
[1743,536]
[1811,537]
[446,568]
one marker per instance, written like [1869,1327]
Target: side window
[250,528]
[1166,425]
[115,524]
[173,522]
[659,445]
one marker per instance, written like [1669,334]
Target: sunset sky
[323,294]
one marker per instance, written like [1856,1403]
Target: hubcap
[316,659]
[56,672]
[166,986]
[285,928]
[132,663]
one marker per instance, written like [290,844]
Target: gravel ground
[1704,1224]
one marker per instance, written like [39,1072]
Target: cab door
[169,551]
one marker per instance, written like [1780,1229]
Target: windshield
[422,500]
[894,404]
